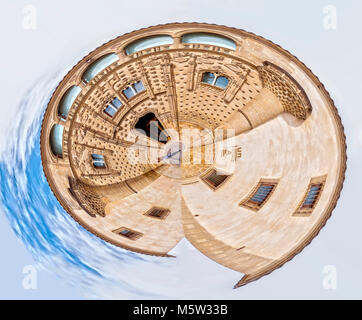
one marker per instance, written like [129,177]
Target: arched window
[215,80]
[99,65]
[56,140]
[148,42]
[152,127]
[209,38]
[67,100]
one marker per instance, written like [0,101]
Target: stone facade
[287,131]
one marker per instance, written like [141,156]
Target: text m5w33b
[206,309]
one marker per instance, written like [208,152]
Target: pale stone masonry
[252,213]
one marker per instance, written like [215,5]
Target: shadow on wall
[291,120]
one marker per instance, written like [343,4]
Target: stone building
[250,201]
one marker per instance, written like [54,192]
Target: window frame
[53,140]
[113,107]
[136,234]
[129,49]
[205,178]
[306,211]
[133,89]
[216,76]
[248,203]
[94,159]
[98,65]
[67,100]
[165,213]
[208,39]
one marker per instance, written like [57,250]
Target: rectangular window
[129,92]
[138,86]
[157,212]
[215,79]
[116,103]
[208,77]
[214,179]
[113,107]
[133,89]
[98,161]
[110,111]
[260,194]
[222,82]
[311,196]
[128,233]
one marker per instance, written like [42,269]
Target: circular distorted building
[198,131]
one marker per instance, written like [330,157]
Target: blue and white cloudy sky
[72,264]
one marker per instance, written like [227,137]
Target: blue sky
[66,31]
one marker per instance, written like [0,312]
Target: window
[98,161]
[138,86]
[128,233]
[67,100]
[209,38]
[214,79]
[157,212]
[214,179]
[260,194]
[152,128]
[222,82]
[99,65]
[148,42]
[113,107]
[133,89]
[56,140]
[208,77]
[311,196]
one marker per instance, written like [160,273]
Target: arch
[97,66]
[148,42]
[67,100]
[152,127]
[209,38]
[56,140]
